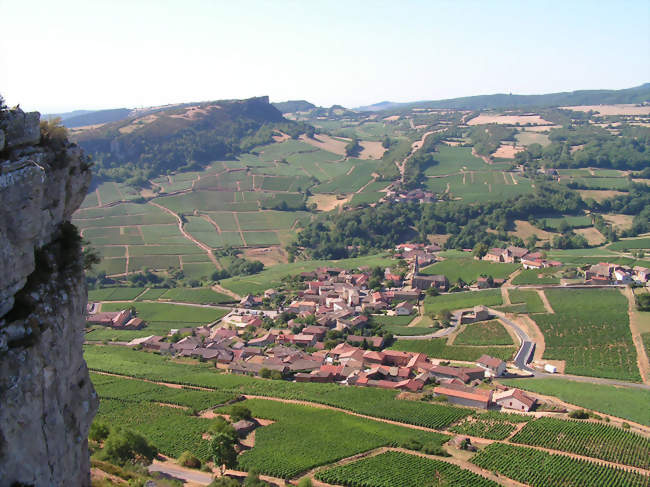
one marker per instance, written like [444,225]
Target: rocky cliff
[46,398]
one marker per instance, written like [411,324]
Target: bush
[433,449]
[98,431]
[123,446]
[188,460]
[579,414]
[224,482]
[239,412]
[412,445]
[305,482]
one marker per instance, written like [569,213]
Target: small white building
[514,399]
[493,367]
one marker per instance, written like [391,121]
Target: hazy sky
[59,55]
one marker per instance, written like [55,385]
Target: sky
[62,55]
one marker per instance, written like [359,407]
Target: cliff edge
[47,400]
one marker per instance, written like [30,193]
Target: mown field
[469,270]
[530,299]
[540,469]
[159,318]
[394,468]
[462,300]
[590,331]
[623,402]
[370,401]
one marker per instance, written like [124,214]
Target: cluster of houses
[414,195]
[512,254]
[346,364]
[120,320]
[605,273]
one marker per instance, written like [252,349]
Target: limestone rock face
[22,128]
[47,401]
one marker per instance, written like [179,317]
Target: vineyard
[540,469]
[590,330]
[438,348]
[139,391]
[172,430]
[393,468]
[374,402]
[492,425]
[486,333]
[304,437]
[595,440]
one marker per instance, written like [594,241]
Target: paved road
[527,346]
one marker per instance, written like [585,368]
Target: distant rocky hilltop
[47,401]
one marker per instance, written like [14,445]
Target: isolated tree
[253,479]
[122,446]
[480,249]
[386,142]
[223,451]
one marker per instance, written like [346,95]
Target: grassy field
[461,300]
[636,243]
[114,293]
[195,295]
[578,221]
[531,299]
[469,270]
[590,331]
[159,318]
[438,348]
[303,437]
[549,275]
[453,159]
[486,333]
[623,402]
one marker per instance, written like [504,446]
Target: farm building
[465,396]
[437,281]
[514,399]
[493,367]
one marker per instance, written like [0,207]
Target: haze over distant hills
[636,94]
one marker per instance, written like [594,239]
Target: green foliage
[222,449]
[188,460]
[98,431]
[595,440]
[393,468]
[240,412]
[535,467]
[123,446]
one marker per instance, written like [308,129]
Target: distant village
[328,335]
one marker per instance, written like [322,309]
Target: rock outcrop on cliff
[47,401]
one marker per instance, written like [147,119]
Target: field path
[415,146]
[212,222]
[201,245]
[546,302]
[220,289]
[635,328]
[127,258]
[505,296]
[99,198]
[241,234]
[485,158]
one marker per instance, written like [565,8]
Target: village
[322,331]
